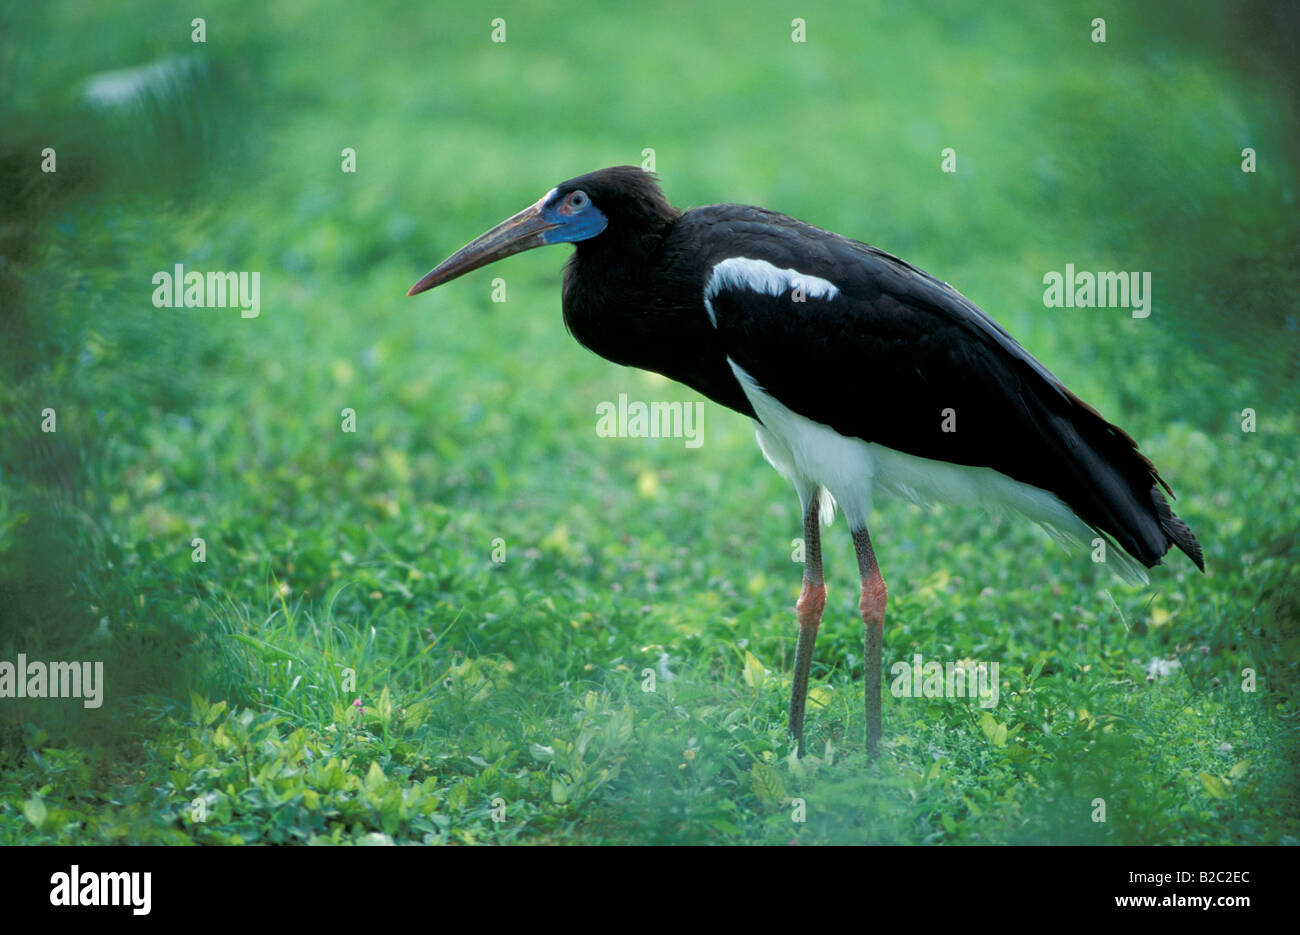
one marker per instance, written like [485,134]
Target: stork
[861,373]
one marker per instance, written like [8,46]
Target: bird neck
[624,300]
[610,299]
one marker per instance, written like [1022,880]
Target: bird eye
[578,200]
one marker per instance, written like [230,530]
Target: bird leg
[872,606]
[812,600]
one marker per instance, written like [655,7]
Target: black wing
[895,349]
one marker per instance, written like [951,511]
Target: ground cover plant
[475,619]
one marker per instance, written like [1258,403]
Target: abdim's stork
[859,371]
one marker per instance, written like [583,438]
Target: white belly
[812,455]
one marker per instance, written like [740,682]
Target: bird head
[623,199]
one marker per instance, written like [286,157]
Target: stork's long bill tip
[422,286]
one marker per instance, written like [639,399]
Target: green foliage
[351,665]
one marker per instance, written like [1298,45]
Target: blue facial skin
[573,225]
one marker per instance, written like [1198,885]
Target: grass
[350,663]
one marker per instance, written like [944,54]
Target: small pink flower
[357,704]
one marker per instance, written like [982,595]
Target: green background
[499,702]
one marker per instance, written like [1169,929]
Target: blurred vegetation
[229,715]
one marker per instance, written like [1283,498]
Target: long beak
[522,232]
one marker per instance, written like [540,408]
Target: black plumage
[879,362]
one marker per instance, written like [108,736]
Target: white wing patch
[740,272]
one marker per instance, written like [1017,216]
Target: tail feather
[1178,532]
[1117,488]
